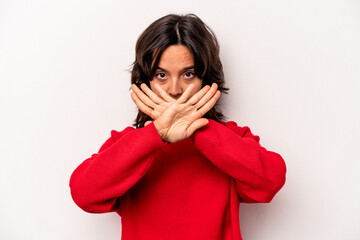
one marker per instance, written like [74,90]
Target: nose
[175,89]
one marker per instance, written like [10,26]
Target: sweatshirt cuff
[210,134]
[151,133]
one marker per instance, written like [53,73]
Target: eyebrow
[186,68]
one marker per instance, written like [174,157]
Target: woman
[182,172]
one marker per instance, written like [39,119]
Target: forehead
[176,56]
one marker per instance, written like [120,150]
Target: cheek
[198,85]
[154,89]
[152,86]
[195,90]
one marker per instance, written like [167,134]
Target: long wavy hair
[190,31]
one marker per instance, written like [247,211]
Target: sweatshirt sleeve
[98,182]
[259,174]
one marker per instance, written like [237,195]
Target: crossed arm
[98,183]
[176,119]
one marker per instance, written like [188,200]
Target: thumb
[147,123]
[197,124]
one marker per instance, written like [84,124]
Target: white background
[293,68]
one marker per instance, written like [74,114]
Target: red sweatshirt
[185,190]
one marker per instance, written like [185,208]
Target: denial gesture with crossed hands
[176,119]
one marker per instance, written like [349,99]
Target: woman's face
[176,71]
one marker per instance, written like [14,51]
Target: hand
[149,102]
[184,116]
[147,123]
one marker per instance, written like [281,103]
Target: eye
[189,75]
[160,75]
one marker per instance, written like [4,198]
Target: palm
[148,102]
[184,116]
[178,119]
[175,122]
[159,109]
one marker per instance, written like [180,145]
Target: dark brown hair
[187,30]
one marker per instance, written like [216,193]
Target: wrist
[160,131]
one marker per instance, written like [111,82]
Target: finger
[197,96]
[150,93]
[197,124]
[142,106]
[145,99]
[207,106]
[206,98]
[164,94]
[184,97]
